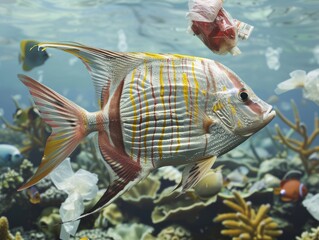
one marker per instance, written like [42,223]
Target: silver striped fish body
[155,110]
[162,107]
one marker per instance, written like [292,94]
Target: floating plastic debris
[316,54]
[79,186]
[73,60]
[272,58]
[122,44]
[309,82]
[212,24]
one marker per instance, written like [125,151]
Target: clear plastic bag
[215,26]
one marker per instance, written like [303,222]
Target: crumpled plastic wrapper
[79,186]
[211,23]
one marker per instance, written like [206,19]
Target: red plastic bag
[215,26]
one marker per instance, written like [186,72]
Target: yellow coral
[246,223]
[310,235]
[4,231]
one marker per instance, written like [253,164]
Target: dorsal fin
[105,67]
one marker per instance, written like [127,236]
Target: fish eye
[243,95]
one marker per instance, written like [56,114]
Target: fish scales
[159,110]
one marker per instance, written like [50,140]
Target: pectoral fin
[194,172]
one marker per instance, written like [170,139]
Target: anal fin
[125,173]
[194,172]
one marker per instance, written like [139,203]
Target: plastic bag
[215,26]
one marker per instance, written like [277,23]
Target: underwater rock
[174,205]
[52,196]
[49,222]
[143,193]
[174,232]
[4,231]
[130,231]
[109,214]
[246,223]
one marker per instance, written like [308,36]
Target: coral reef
[4,231]
[246,223]
[49,222]
[28,122]
[109,214]
[174,232]
[10,181]
[129,231]
[304,144]
[174,205]
[96,233]
[144,192]
[310,235]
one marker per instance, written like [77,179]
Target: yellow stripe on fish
[134,126]
[185,90]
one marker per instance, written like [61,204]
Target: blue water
[160,27]
[153,26]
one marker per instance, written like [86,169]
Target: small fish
[291,190]
[30,55]
[84,238]
[34,195]
[155,110]
[10,156]
[300,79]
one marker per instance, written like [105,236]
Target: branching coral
[4,231]
[303,147]
[310,235]
[246,223]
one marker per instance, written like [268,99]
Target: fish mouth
[269,116]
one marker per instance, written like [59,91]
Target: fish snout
[269,115]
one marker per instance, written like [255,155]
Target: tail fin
[68,123]
[296,81]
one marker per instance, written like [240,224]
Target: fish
[34,195]
[155,110]
[300,79]
[31,56]
[84,238]
[291,190]
[10,156]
